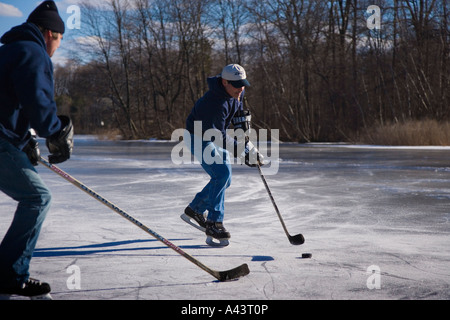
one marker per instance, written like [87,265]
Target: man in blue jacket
[214,113]
[27,102]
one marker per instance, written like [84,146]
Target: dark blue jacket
[26,86]
[215,109]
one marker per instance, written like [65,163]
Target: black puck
[306,255]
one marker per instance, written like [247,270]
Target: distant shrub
[409,133]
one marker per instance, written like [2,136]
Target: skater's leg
[20,180]
[200,203]
[196,145]
[220,173]
[216,162]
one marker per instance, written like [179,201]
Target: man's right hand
[252,155]
[60,144]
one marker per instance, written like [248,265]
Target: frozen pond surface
[360,209]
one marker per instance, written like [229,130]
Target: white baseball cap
[235,75]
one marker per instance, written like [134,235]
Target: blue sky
[16,12]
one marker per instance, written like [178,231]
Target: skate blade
[46,296]
[4,297]
[218,243]
[188,220]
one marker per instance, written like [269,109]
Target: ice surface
[360,209]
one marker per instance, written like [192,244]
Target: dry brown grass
[409,133]
[111,134]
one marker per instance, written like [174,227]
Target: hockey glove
[252,156]
[32,150]
[60,144]
[242,120]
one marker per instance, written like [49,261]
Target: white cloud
[59,58]
[8,10]
[105,4]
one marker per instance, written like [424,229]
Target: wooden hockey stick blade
[232,274]
[297,239]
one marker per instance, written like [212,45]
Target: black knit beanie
[46,15]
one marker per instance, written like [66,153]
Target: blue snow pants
[20,181]
[212,197]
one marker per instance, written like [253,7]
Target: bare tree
[317,72]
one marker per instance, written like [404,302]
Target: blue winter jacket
[26,86]
[215,109]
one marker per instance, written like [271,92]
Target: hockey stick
[295,240]
[219,275]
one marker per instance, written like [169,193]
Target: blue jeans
[20,181]
[212,197]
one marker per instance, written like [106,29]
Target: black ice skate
[33,289]
[216,231]
[197,220]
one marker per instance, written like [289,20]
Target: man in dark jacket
[27,102]
[214,113]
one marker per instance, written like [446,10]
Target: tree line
[318,70]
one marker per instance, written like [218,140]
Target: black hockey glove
[60,144]
[242,120]
[252,156]
[32,150]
